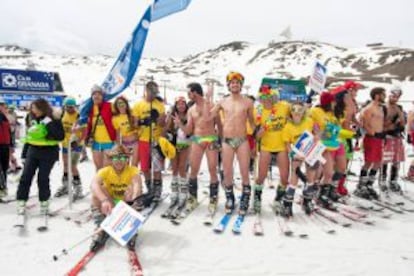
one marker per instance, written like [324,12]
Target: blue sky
[103,26]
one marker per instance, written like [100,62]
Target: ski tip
[42,228]
[331,232]
[218,230]
[288,233]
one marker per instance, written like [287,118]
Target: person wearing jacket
[43,138]
[100,132]
[5,147]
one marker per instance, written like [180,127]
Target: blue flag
[125,66]
[163,8]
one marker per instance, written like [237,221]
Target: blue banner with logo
[24,99]
[163,8]
[26,81]
[126,65]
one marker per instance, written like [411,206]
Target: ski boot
[212,206]
[395,187]
[324,200]
[21,207]
[44,207]
[3,192]
[63,190]
[244,200]
[132,242]
[308,195]
[257,200]
[372,193]
[287,201]
[100,238]
[341,190]
[77,189]
[229,205]
[192,201]
[157,190]
[333,195]
[99,241]
[278,202]
[174,192]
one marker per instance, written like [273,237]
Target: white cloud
[103,26]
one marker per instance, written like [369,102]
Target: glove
[46,120]
[74,144]
[142,201]
[144,122]
[154,114]
[380,135]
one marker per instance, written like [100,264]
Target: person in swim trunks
[205,130]
[236,110]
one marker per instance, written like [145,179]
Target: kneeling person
[118,181]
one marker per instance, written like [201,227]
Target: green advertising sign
[289,90]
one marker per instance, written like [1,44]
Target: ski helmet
[69,102]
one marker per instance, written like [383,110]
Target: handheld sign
[123,223]
[318,78]
[308,148]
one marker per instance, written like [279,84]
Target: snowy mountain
[291,59]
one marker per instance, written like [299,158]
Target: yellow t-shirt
[292,131]
[141,110]
[101,135]
[121,124]
[321,118]
[274,120]
[68,121]
[117,184]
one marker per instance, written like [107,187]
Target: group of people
[252,130]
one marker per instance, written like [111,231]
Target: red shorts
[144,155]
[340,151]
[373,149]
[393,150]
[252,142]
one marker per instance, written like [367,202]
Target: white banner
[307,148]
[123,223]
[318,78]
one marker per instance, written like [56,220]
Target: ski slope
[194,249]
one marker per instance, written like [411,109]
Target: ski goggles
[297,109]
[121,158]
[121,104]
[235,76]
[180,99]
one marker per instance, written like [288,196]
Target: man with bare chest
[205,131]
[372,121]
[394,127]
[236,111]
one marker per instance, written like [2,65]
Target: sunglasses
[122,158]
[121,104]
[297,109]
[180,99]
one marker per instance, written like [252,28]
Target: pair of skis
[225,220]
[237,225]
[133,260]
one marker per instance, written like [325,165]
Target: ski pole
[66,251]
